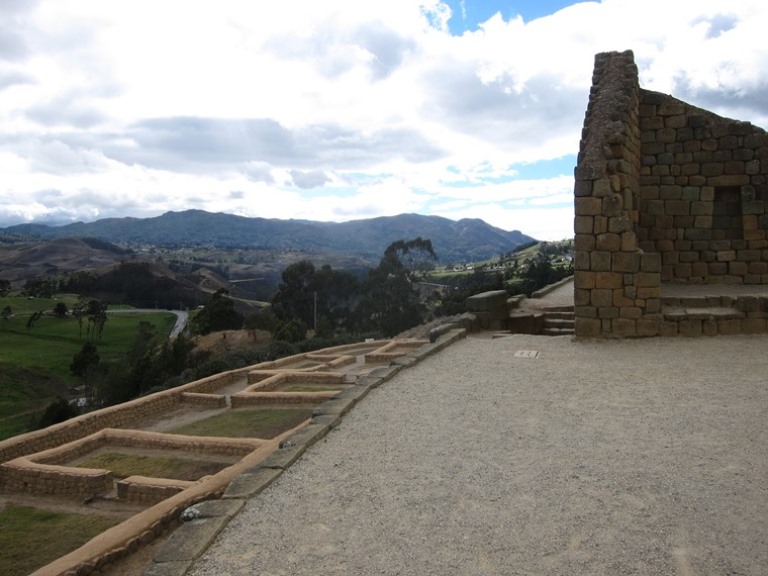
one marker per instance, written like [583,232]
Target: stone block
[649,292]
[587,327]
[683,221]
[726,255]
[608,312]
[601,224]
[728,180]
[633,312]
[669,328]
[652,305]
[655,207]
[753,325]
[583,224]
[650,262]
[626,262]
[584,242]
[584,280]
[610,280]
[738,268]
[702,208]
[582,188]
[647,279]
[628,241]
[600,261]
[669,192]
[682,270]
[690,328]
[585,311]
[487,301]
[649,326]
[624,327]
[699,269]
[581,297]
[588,206]
[608,242]
[677,207]
[601,297]
[709,327]
[581,260]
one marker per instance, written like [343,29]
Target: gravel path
[621,457]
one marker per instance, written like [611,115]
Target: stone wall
[664,192]
[616,285]
[703,194]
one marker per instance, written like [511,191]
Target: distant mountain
[454,241]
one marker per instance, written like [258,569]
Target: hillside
[462,240]
[21,261]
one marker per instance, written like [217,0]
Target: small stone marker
[526,354]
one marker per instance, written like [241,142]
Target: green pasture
[27,542]
[247,423]
[34,362]
[123,465]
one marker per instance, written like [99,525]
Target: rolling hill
[463,240]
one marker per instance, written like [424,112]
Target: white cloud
[334,110]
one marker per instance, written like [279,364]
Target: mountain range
[465,240]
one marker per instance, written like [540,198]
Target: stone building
[665,193]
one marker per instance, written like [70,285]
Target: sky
[338,110]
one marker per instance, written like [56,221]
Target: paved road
[182,317]
[531,455]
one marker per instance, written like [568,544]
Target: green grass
[247,423]
[123,465]
[27,542]
[34,362]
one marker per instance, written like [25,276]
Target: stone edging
[204,521]
[540,293]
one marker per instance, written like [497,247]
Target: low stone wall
[121,416]
[392,350]
[144,490]
[490,309]
[47,472]
[204,400]
[715,315]
[273,381]
[273,398]
[215,382]
[24,475]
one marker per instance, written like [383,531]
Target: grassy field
[34,362]
[124,465]
[247,423]
[25,539]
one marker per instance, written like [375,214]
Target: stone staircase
[558,321]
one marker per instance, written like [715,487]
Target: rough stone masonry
[664,192]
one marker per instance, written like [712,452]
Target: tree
[7,312]
[58,411]
[5,287]
[218,314]
[82,366]
[292,331]
[94,313]
[39,288]
[60,310]
[310,294]
[391,302]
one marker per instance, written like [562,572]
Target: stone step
[558,322]
[678,313]
[548,331]
[549,309]
[561,315]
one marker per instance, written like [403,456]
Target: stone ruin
[666,194]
